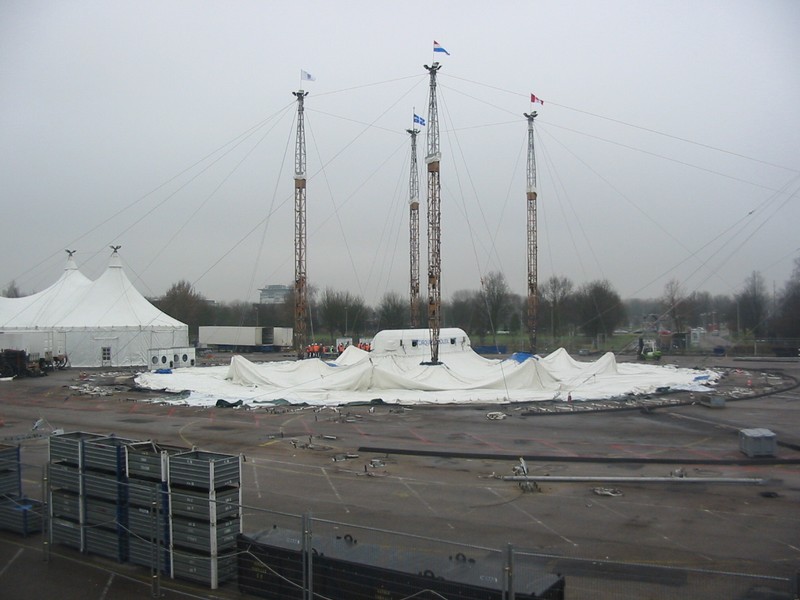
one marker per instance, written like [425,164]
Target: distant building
[274,294]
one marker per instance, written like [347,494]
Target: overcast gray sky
[668,144]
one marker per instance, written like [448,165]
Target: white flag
[306,76]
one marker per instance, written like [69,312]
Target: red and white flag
[535,99]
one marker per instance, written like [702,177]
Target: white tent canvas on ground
[394,372]
[105,322]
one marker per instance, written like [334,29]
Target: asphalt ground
[433,472]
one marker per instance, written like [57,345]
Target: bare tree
[392,312]
[331,311]
[182,302]
[787,321]
[751,304]
[556,292]
[462,310]
[342,312]
[495,298]
[673,304]
[599,308]
[12,291]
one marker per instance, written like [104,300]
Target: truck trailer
[245,339]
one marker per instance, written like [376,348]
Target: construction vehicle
[648,350]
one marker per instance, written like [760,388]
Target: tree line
[564,309]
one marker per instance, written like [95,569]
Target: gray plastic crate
[65,476]
[142,493]
[204,470]
[106,454]
[150,460]
[67,505]
[757,442]
[67,448]
[10,471]
[10,483]
[9,454]
[140,552]
[106,543]
[104,485]
[21,515]
[66,532]
[102,513]
[145,524]
[215,505]
[204,536]
[210,571]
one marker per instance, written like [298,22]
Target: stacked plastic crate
[169,508]
[17,513]
[205,496]
[148,504]
[105,484]
[66,484]
[10,475]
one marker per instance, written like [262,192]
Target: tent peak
[71,264]
[115,261]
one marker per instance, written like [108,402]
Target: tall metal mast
[432,159]
[533,248]
[300,236]
[413,228]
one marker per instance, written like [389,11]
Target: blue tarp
[490,349]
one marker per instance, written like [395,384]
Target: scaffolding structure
[413,229]
[432,159]
[300,233]
[533,275]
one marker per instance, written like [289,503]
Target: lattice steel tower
[300,236]
[432,159]
[533,248]
[413,229]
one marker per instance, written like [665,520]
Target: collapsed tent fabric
[95,323]
[395,372]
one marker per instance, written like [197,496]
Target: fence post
[155,563]
[510,572]
[45,514]
[308,564]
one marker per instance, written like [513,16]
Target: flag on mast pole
[419,120]
[306,76]
[535,99]
[438,48]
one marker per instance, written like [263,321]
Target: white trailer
[279,337]
[245,339]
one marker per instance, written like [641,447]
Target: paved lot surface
[433,472]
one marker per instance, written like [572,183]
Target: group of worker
[317,350]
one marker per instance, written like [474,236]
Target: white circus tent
[105,322]
[396,372]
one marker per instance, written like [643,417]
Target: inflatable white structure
[395,372]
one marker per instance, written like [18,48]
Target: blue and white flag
[306,76]
[438,48]
[419,120]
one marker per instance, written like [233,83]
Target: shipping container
[245,339]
